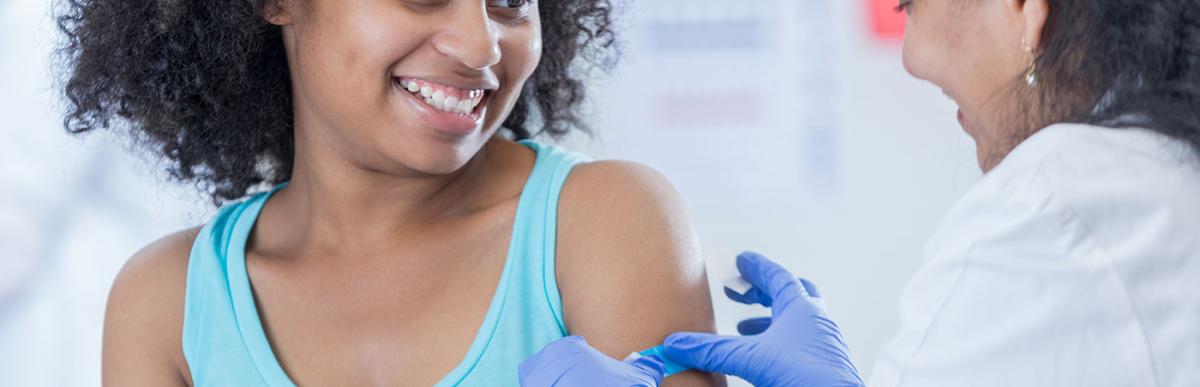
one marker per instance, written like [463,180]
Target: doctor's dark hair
[1121,63]
[205,84]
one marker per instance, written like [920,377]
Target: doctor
[1075,261]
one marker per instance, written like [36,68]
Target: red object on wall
[886,23]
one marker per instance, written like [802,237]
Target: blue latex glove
[571,361]
[798,346]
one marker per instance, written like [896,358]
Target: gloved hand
[798,346]
[571,361]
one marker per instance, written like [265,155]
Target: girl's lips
[453,124]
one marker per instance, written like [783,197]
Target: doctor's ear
[1032,15]
[278,12]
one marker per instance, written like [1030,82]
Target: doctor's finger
[776,282]
[756,296]
[810,288]
[752,297]
[754,326]
[651,366]
[708,352]
[558,354]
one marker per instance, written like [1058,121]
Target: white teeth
[439,99]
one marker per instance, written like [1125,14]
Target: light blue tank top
[223,338]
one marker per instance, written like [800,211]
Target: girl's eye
[427,3]
[511,9]
[509,3]
[905,6]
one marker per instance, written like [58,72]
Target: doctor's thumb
[652,367]
[707,352]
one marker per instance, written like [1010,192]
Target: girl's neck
[331,204]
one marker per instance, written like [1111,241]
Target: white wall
[785,125]
[71,211]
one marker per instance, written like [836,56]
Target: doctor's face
[973,50]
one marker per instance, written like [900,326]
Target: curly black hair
[1121,63]
[205,83]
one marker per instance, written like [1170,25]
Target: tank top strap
[540,223]
[218,302]
[526,313]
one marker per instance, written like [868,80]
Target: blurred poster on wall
[737,92]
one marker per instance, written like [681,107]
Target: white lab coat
[1075,262]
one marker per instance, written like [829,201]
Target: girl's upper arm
[629,266]
[143,324]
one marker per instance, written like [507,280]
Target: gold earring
[1031,75]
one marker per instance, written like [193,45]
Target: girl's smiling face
[406,86]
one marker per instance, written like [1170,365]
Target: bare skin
[377,263]
[374,313]
[977,51]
